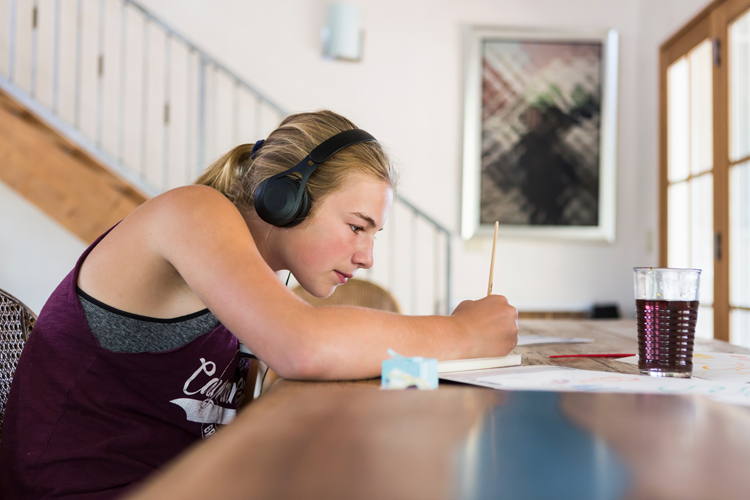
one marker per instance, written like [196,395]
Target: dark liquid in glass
[666,330]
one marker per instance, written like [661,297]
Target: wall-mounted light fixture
[342,38]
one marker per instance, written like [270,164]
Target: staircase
[103,105]
[59,178]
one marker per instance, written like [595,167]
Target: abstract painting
[539,105]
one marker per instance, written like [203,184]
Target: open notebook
[463,365]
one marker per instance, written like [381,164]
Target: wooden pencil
[492,262]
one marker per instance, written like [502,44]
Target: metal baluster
[236,114]
[436,270]
[79,48]
[214,111]
[34,43]
[447,272]
[392,251]
[258,104]
[414,262]
[12,41]
[123,72]
[100,75]
[167,71]
[56,59]
[189,94]
[201,113]
[144,97]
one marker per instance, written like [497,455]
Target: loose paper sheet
[716,366]
[541,339]
[554,378]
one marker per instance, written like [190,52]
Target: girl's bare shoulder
[142,264]
[190,198]
[168,220]
[189,209]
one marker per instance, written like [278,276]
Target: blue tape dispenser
[416,372]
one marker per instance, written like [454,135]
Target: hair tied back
[256,148]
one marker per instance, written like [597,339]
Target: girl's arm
[205,238]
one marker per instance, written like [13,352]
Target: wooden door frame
[712,22]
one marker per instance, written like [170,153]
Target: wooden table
[351,440]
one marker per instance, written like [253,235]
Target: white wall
[36,253]
[407,91]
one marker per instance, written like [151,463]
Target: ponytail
[224,174]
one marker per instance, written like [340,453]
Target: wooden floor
[59,178]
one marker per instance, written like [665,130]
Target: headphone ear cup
[275,201]
[304,207]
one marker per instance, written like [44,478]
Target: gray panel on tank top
[129,335]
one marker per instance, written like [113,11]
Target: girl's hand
[490,325]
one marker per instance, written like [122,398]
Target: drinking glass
[666,304]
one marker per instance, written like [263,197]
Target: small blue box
[409,373]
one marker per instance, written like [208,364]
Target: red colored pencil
[592,355]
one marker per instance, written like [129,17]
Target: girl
[136,354]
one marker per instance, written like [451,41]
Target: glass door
[690,180]
[739,180]
[705,163]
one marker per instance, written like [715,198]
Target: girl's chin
[322,291]
[329,292]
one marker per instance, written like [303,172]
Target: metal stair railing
[154,108]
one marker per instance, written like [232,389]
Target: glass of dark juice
[666,305]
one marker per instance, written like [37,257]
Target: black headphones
[284,201]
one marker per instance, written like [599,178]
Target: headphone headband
[283,201]
[334,144]
[324,151]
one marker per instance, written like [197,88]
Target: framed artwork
[540,134]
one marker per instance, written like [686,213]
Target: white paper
[541,339]
[716,366]
[552,378]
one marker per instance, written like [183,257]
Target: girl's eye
[356,229]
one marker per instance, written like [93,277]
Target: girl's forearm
[351,342]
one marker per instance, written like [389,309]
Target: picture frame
[540,133]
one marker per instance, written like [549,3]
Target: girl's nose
[363,257]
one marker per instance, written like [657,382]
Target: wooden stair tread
[58,177]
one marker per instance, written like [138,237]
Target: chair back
[16,323]
[354,293]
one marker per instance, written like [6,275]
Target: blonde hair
[237,175]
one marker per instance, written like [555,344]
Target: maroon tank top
[83,422]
